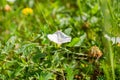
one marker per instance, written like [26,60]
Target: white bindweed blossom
[11,1]
[113,39]
[59,37]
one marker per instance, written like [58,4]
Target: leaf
[74,42]
[82,38]
[46,76]
[27,48]
[17,71]
[38,56]
[68,31]
[70,71]
[77,41]
[9,45]
[95,9]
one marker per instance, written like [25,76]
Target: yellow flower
[27,11]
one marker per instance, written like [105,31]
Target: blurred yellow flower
[27,11]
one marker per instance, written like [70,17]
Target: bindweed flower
[113,39]
[59,37]
[27,11]
[7,8]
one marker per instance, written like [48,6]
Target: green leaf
[95,9]
[46,76]
[82,38]
[9,44]
[77,41]
[38,56]
[68,31]
[74,42]
[27,48]
[70,71]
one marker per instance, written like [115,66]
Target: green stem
[80,9]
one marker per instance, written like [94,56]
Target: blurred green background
[26,52]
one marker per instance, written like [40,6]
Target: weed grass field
[59,40]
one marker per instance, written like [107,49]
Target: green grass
[27,53]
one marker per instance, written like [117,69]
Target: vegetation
[59,40]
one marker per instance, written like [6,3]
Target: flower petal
[59,37]
[113,39]
[53,37]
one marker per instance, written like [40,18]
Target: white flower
[11,1]
[113,39]
[59,37]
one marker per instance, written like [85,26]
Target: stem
[109,47]
[112,62]
[110,9]
[63,75]
[80,9]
